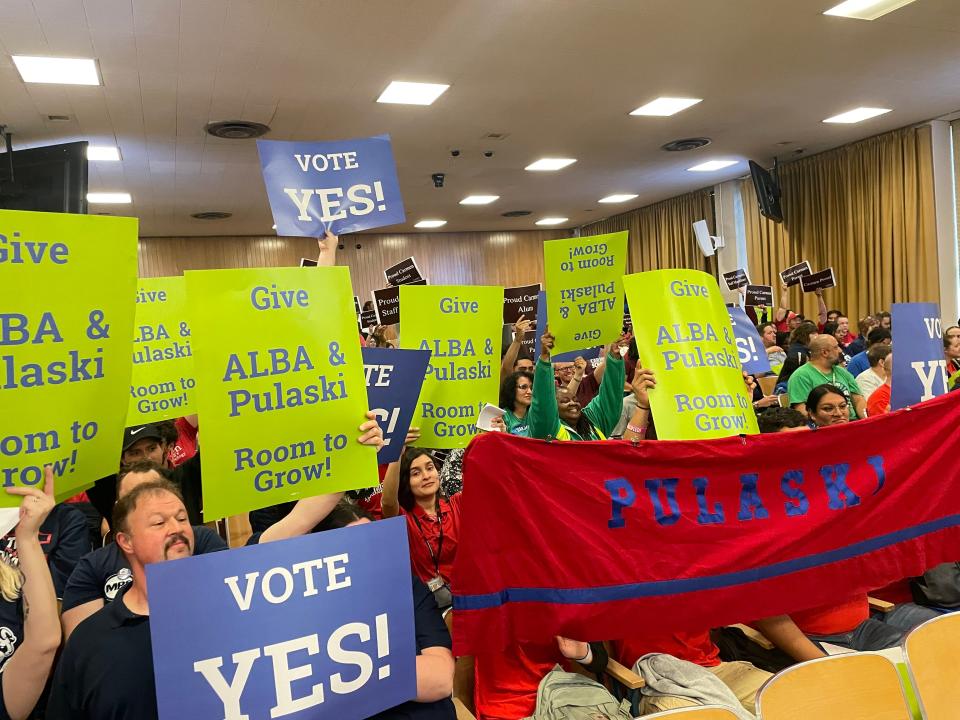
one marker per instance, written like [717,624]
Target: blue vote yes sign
[314,626]
[919,368]
[753,355]
[394,379]
[343,186]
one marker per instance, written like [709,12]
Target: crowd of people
[90,552]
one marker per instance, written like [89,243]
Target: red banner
[590,539]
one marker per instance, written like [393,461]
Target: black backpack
[938,587]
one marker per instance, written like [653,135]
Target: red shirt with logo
[186,445]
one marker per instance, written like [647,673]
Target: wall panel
[507,258]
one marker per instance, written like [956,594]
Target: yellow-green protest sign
[686,339]
[66,329]
[162,383]
[461,327]
[584,284]
[280,386]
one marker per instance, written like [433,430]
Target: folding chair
[854,686]
[932,651]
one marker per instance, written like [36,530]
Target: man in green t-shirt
[821,368]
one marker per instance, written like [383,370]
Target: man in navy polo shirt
[103,574]
[106,670]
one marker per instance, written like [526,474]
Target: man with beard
[102,575]
[822,367]
[106,670]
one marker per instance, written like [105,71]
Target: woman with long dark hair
[516,395]
[412,488]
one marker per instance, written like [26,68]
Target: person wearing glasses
[827,405]
[516,394]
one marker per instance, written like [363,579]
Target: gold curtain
[661,235]
[867,210]
[955,127]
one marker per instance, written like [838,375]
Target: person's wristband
[642,430]
[586,658]
[641,407]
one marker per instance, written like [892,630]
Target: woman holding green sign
[556,414]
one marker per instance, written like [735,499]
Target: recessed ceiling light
[666,106]
[549,164]
[866,9]
[411,93]
[273,227]
[617,198]
[857,115]
[102,153]
[552,221]
[112,198]
[431,223]
[63,71]
[712,165]
[479,199]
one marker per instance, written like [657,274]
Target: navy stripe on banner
[632,591]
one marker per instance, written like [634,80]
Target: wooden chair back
[853,686]
[932,651]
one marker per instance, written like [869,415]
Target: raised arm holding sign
[584,284]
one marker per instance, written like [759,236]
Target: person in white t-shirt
[874,376]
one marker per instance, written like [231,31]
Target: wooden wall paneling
[474,258]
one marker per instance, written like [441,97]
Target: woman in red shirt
[411,488]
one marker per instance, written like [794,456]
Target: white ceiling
[559,77]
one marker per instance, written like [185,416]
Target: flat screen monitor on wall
[45,179]
[768,192]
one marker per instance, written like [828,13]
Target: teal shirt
[517,426]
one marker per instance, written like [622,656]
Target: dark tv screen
[46,179]
[768,192]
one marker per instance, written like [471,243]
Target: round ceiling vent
[212,215]
[685,144]
[237,129]
[516,213]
